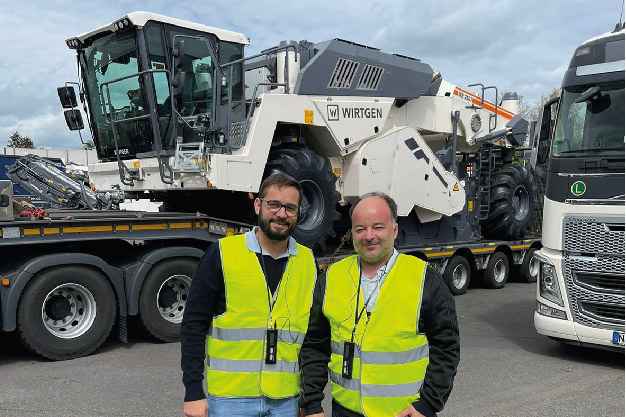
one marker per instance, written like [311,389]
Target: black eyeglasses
[274,206]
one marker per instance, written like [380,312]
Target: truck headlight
[549,284]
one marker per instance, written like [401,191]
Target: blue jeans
[253,407]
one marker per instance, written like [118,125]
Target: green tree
[531,112]
[18,141]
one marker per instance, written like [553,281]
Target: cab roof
[140,18]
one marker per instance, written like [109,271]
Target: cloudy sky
[521,45]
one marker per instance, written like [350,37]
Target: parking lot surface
[506,369]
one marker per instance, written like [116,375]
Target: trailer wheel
[66,312]
[529,269]
[318,210]
[457,274]
[163,297]
[512,204]
[497,271]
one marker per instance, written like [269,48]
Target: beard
[265,226]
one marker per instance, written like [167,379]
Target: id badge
[271,347]
[348,359]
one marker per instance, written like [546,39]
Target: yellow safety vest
[237,339]
[390,356]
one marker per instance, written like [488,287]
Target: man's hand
[198,408]
[410,412]
[301,414]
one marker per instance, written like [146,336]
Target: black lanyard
[357,314]
[271,302]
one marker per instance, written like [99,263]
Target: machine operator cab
[129,71]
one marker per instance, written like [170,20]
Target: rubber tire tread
[525,267]
[489,275]
[501,222]
[447,274]
[304,164]
[150,318]
[32,331]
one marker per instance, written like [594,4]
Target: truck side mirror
[73,119]
[178,83]
[67,96]
[545,131]
[179,54]
[178,77]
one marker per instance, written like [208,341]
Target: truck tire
[318,210]
[497,271]
[512,204]
[66,312]
[457,274]
[163,297]
[529,270]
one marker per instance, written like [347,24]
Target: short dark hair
[393,207]
[280,180]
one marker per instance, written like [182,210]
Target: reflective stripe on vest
[390,355]
[238,365]
[376,390]
[235,335]
[236,342]
[384,358]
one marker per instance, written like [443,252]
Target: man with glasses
[251,295]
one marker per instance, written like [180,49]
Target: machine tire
[163,297]
[319,202]
[529,270]
[82,296]
[497,271]
[512,204]
[457,274]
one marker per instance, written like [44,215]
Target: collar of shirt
[252,244]
[382,272]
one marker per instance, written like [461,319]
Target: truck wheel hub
[172,297]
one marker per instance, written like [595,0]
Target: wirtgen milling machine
[178,115]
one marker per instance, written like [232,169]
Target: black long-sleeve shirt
[437,320]
[207,299]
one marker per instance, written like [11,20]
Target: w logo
[333,112]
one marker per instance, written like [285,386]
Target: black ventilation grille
[344,73]
[370,78]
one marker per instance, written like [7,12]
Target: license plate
[618,338]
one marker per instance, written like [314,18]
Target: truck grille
[593,268]
[590,235]
[603,282]
[604,312]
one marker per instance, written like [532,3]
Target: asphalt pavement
[506,369]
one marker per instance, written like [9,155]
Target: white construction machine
[178,115]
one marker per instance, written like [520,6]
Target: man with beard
[251,296]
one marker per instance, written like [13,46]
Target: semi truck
[179,116]
[580,290]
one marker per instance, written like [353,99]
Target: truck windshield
[592,127]
[108,58]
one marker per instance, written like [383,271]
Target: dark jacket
[437,320]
